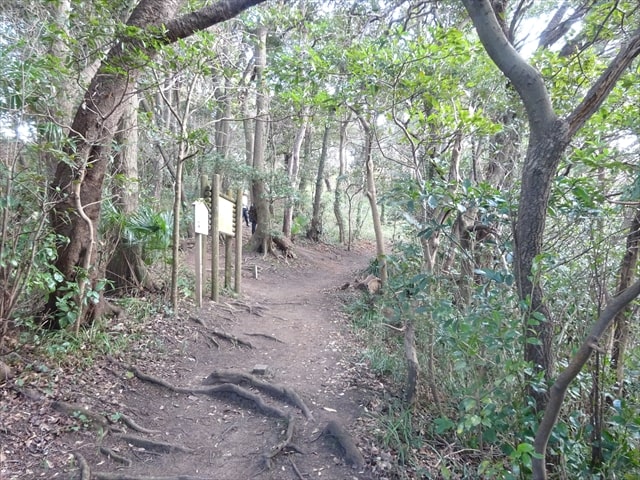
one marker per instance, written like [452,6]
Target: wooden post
[204,183]
[227,261]
[238,270]
[215,234]
[199,269]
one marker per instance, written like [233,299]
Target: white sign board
[226,217]
[201,217]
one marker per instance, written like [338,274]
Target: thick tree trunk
[77,185]
[261,240]
[126,270]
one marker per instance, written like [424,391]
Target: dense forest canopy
[490,148]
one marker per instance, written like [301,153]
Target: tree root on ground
[85,471]
[154,445]
[220,334]
[295,469]
[350,451]
[75,410]
[116,457]
[224,388]
[264,335]
[134,426]
[279,391]
[124,476]
[280,447]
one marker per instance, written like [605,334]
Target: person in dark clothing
[245,215]
[253,218]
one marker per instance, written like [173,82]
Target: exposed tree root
[231,338]
[73,409]
[260,404]
[257,310]
[154,445]
[350,452]
[134,426]
[115,456]
[295,469]
[85,471]
[124,476]
[264,335]
[211,339]
[279,391]
[286,443]
[220,334]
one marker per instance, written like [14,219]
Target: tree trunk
[293,168]
[314,231]
[77,184]
[549,136]
[621,321]
[340,183]
[373,199]
[126,269]
[261,240]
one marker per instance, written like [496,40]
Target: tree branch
[605,83]
[192,22]
[527,80]
[559,388]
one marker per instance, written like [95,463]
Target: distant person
[253,218]
[245,215]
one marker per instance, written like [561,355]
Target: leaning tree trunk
[77,184]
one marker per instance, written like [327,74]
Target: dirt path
[289,323]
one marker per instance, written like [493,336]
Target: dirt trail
[291,315]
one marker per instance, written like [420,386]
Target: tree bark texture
[95,123]
[126,269]
[261,240]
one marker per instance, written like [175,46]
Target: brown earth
[280,423]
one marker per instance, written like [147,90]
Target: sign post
[201,220]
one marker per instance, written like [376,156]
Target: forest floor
[265,385]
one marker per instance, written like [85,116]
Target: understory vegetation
[488,149]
